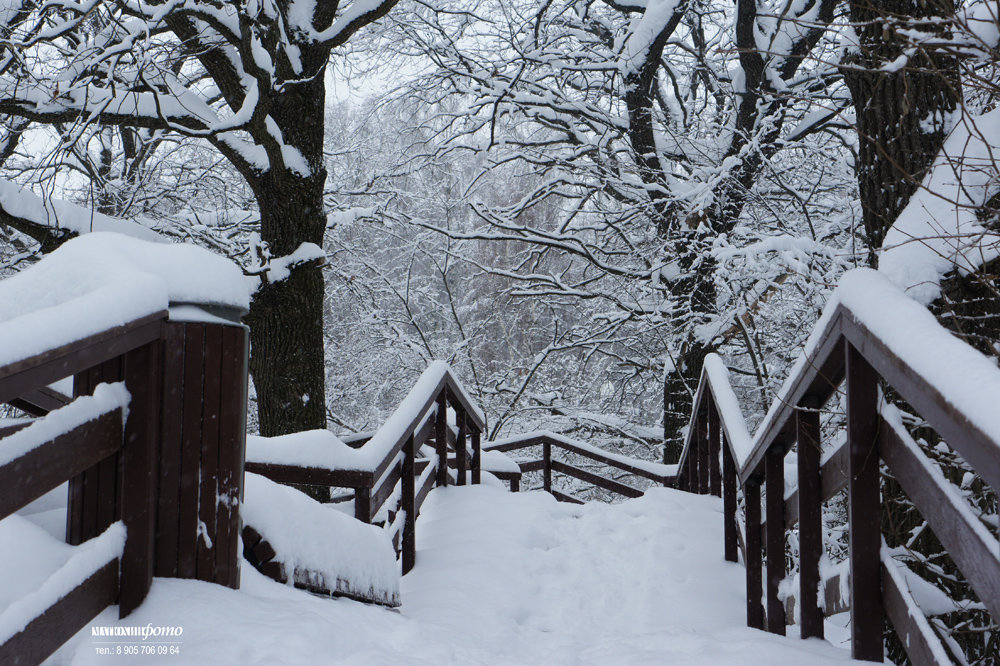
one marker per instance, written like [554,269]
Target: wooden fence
[421,419]
[547,464]
[184,395]
[845,351]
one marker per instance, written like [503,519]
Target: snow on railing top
[735,425]
[321,449]
[966,380]
[106,398]
[102,280]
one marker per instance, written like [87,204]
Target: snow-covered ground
[501,578]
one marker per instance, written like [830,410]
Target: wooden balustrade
[846,355]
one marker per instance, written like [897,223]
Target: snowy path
[501,579]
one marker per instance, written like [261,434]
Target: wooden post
[701,426]
[363,504]
[774,464]
[143,379]
[755,611]
[547,470]
[714,476]
[477,456]
[461,455]
[810,518]
[729,503]
[441,438]
[864,514]
[409,505]
[515,485]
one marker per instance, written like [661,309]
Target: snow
[106,398]
[500,578]
[311,448]
[495,461]
[646,29]
[21,202]
[906,581]
[939,231]
[102,280]
[335,550]
[728,405]
[85,560]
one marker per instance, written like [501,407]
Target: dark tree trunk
[286,317]
[902,115]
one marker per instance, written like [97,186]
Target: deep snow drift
[501,578]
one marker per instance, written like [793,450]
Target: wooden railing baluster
[729,503]
[755,610]
[864,531]
[477,457]
[774,464]
[461,457]
[810,517]
[714,476]
[547,470]
[441,437]
[408,504]
[702,452]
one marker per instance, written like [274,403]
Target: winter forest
[571,202]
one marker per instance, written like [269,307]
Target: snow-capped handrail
[387,458]
[869,331]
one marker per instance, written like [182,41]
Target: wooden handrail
[855,341]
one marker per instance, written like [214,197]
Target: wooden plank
[408,503]
[40,401]
[516,445]
[753,559]
[810,505]
[531,466]
[23,377]
[47,632]
[729,503]
[833,479]
[422,492]
[702,453]
[143,379]
[239,453]
[714,475]
[169,495]
[441,438]
[774,536]
[565,497]
[363,504]
[864,503]
[50,464]
[387,486]
[977,559]
[477,457]
[231,433]
[919,641]
[547,466]
[187,527]
[340,478]
[211,403]
[461,453]
[599,481]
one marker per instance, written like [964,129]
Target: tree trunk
[902,112]
[286,317]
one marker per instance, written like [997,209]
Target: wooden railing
[662,474]
[870,334]
[86,433]
[391,457]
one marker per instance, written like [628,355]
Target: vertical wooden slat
[187,537]
[774,463]
[810,518]
[729,503]
[547,469]
[701,426]
[143,379]
[239,451]
[408,504]
[441,437]
[230,423]
[714,476]
[864,507]
[168,503]
[477,457]
[515,485]
[755,611]
[461,457]
[363,504]
[209,489]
